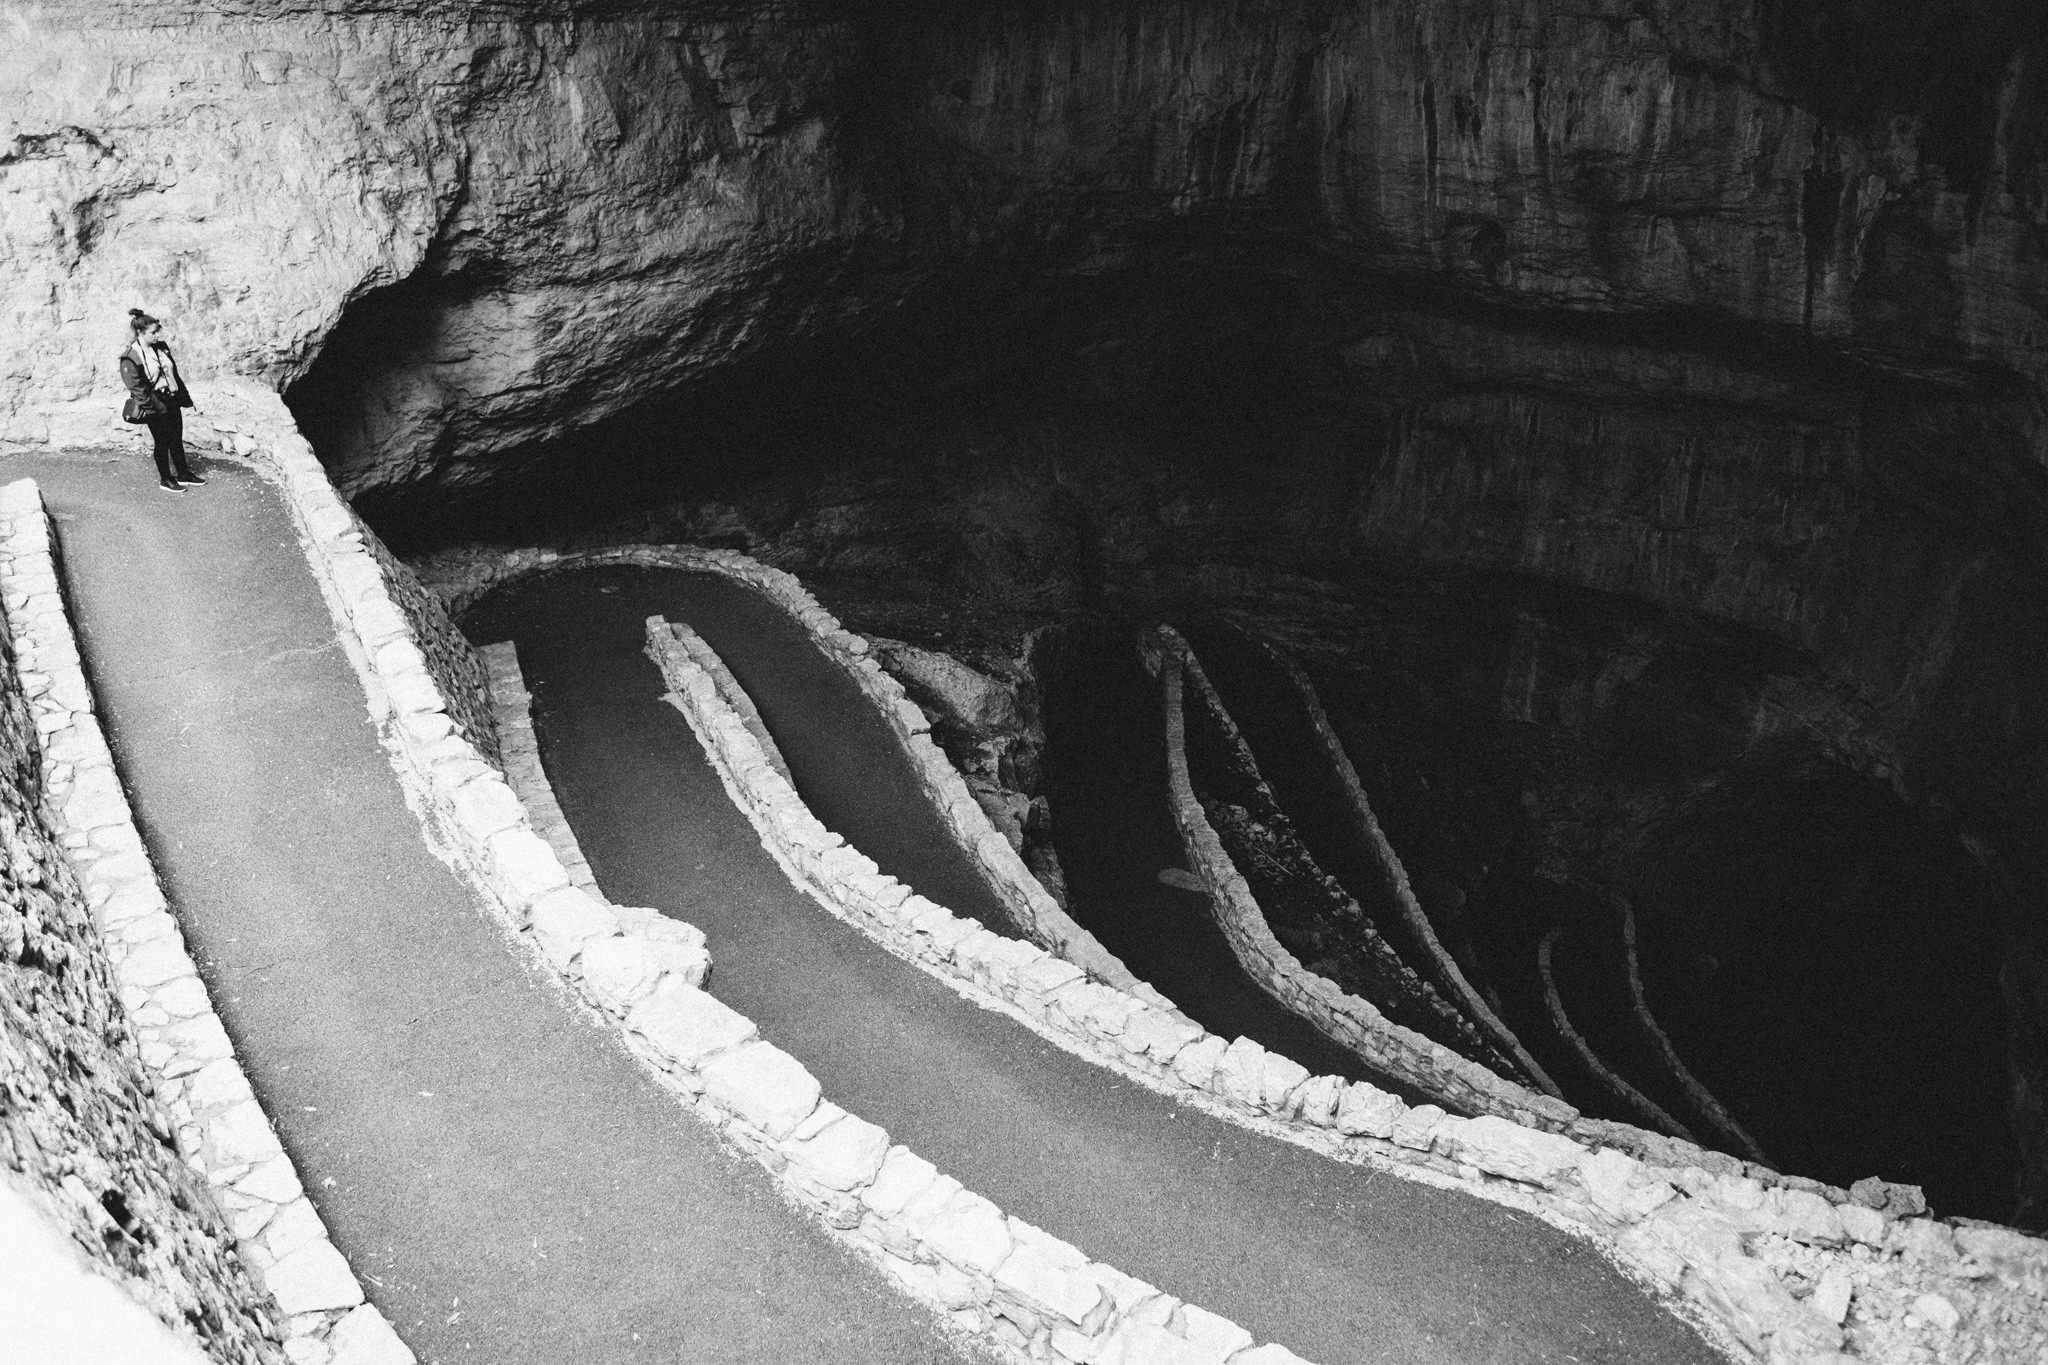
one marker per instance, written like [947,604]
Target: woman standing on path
[159,395]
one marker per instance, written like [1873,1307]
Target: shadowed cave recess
[1628,420]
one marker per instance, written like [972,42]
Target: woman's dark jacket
[148,401]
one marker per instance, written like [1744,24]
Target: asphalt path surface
[1337,1262]
[512,1186]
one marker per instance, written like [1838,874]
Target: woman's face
[153,332]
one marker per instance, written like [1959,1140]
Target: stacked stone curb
[221,1129]
[461,578]
[1388,863]
[1768,1264]
[1014,1287]
[451,660]
[1350,1021]
[1776,1260]
[519,749]
[1355,1023]
[1772,1266]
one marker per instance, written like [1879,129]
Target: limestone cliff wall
[578,209]
[569,186]
[1734,310]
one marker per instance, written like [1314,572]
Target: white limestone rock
[1137,1343]
[486,805]
[1196,1063]
[1159,1034]
[845,1155]
[313,1278]
[903,1177]
[364,1337]
[1212,1331]
[1831,1296]
[565,919]
[687,1026]
[239,1136]
[522,866]
[1368,1111]
[1937,1312]
[295,1225]
[966,1230]
[763,1086]
[1052,1289]
[620,972]
[1621,1187]
[1507,1149]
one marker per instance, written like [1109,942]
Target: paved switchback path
[1339,1263]
[521,1191]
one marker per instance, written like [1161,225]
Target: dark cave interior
[1666,603]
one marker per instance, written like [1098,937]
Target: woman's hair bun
[138,319]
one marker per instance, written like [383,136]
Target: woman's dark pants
[169,429]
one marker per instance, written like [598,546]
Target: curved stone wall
[1353,1023]
[1761,1250]
[1021,1292]
[1307,912]
[1386,864]
[1788,1268]
[451,660]
[125,1100]
[461,578]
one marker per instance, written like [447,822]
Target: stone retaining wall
[1783,1268]
[112,1093]
[1295,901]
[1789,1271]
[1394,876]
[451,660]
[1777,1260]
[462,577]
[1017,1289]
[512,718]
[1387,867]
[1355,1024]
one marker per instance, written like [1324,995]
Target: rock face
[546,217]
[566,195]
[1619,402]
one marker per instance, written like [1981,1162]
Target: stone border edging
[1734,1249]
[511,708]
[222,1130]
[1144,1324]
[999,1277]
[1357,1024]
[1395,876]
[1703,1237]
[1018,1289]
[1353,1023]
[461,581]
[735,696]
